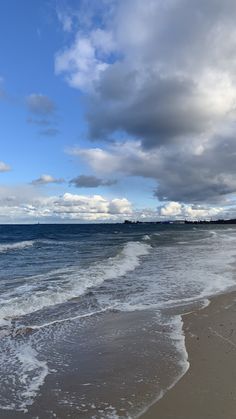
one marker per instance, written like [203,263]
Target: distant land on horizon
[220,221]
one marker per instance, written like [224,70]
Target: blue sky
[107,112]
[28,47]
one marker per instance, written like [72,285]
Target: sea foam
[26,373]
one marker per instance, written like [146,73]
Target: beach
[101,322]
[207,390]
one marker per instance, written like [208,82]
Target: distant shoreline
[126,222]
[231,221]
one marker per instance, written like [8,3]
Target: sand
[208,389]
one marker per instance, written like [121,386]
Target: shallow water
[90,315]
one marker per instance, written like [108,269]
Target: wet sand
[208,389]
[103,368]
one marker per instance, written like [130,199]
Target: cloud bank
[25,204]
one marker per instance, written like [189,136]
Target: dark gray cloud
[192,172]
[40,104]
[84,181]
[176,77]
[208,176]
[161,110]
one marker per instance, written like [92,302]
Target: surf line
[80,316]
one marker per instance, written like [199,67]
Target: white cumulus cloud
[25,204]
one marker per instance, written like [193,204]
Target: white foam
[79,316]
[27,356]
[205,303]
[178,337]
[16,246]
[26,374]
[71,283]
[110,413]
[146,237]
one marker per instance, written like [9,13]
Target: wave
[71,282]
[16,246]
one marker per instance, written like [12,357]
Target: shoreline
[209,338]
[206,390]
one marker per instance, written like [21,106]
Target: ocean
[91,315]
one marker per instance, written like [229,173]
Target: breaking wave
[70,283]
[16,246]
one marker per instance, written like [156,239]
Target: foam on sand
[25,374]
[178,338]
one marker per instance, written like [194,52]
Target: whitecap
[16,246]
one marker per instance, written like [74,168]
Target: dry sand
[208,389]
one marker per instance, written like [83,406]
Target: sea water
[90,315]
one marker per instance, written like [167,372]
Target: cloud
[127,158]
[28,204]
[120,206]
[152,75]
[159,110]
[84,181]
[80,62]
[43,108]
[46,179]
[191,173]
[40,104]
[175,210]
[95,207]
[24,204]
[4,167]
[162,76]
[65,19]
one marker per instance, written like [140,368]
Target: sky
[117,109]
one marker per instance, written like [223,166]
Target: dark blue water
[55,278]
